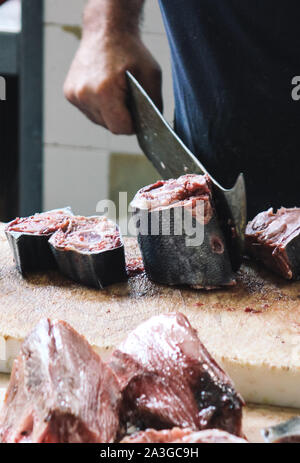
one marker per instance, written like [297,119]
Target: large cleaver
[172,159]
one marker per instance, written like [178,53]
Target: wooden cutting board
[252,329]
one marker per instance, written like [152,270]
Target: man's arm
[111,44]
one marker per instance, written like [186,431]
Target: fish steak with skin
[179,233]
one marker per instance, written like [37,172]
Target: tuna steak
[28,238]
[274,239]
[183,436]
[169,379]
[60,391]
[90,251]
[179,234]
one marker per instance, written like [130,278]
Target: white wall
[76,154]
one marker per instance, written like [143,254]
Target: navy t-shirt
[233,65]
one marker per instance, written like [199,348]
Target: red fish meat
[168,379]
[60,391]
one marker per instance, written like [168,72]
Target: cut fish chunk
[179,234]
[168,379]
[274,239]
[183,436]
[60,391]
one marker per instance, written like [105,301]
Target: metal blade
[287,432]
[162,146]
[172,158]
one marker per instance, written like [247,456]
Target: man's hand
[110,45]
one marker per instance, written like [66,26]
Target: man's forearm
[111,44]
[113,16]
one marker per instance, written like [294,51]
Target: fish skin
[283,433]
[96,268]
[169,259]
[31,251]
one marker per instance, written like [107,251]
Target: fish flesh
[179,235]
[168,379]
[274,239]
[161,380]
[134,267]
[60,391]
[183,436]
[90,251]
[28,238]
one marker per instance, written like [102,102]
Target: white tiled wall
[75,176]
[77,151]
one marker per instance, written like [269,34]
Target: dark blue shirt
[233,65]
